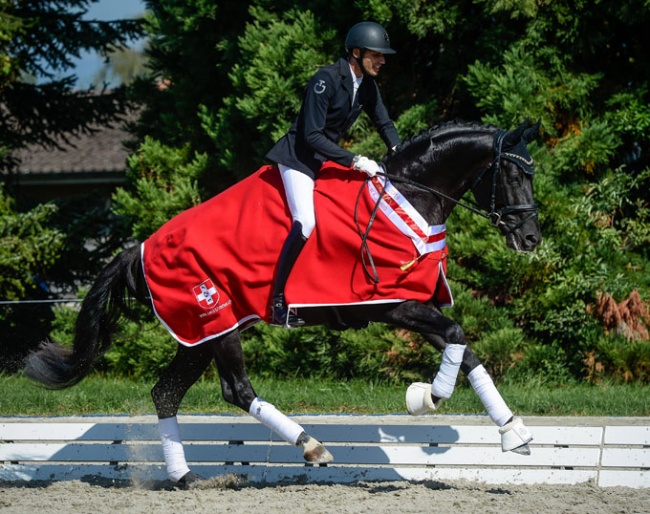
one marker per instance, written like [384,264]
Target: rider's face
[372,61]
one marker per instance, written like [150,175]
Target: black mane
[440,129]
[419,144]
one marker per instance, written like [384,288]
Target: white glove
[369,166]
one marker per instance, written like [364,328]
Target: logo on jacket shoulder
[319,87]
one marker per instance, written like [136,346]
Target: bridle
[494,215]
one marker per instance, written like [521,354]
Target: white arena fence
[570,450]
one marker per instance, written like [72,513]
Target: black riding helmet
[368,35]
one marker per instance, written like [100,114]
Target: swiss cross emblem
[206,294]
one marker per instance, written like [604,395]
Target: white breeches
[299,189]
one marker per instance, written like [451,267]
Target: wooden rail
[603,451]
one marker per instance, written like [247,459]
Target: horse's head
[504,189]
[449,159]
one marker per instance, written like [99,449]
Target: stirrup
[282,316]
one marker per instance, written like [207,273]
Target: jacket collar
[348,77]
[346,74]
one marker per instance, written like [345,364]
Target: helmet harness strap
[359,60]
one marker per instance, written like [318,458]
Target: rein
[494,216]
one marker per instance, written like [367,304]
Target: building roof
[101,151]
[94,163]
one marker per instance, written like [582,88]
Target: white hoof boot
[515,437]
[418,399]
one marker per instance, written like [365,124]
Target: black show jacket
[327,113]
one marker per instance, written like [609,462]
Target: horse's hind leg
[185,369]
[237,390]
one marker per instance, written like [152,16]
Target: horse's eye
[514,176]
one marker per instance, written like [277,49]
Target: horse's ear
[512,138]
[531,132]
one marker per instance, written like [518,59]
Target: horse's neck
[432,207]
[451,174]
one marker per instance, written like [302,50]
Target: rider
[333,100]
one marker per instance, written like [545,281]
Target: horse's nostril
[532,239]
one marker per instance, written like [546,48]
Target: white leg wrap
[269,416]
[445,381]
[173,448]
[487,392]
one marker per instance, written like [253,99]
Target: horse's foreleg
[447,336]
[186,368]
[237,390]
[422,397]
[514,435]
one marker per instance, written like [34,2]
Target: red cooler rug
[210,269]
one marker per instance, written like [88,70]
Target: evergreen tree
[582,67]
[189,54]
[124,66]
[28,248]
[46,37]
[584,72]
[40,106]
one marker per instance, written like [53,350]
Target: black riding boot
[280,314]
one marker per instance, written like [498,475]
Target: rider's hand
[366,165]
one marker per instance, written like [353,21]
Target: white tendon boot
[445,380]
[418,399]
[418,394]
[515,437]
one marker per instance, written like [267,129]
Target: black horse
[432,171]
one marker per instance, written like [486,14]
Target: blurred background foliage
[224,80]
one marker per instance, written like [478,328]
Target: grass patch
[109,396]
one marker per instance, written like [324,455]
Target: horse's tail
[58,366]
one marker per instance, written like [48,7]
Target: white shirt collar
[356,81]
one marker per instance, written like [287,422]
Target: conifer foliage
[226,79]
[40,104]
[40,101]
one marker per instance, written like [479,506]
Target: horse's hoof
[515,437]
[315,452]
[524,449]
[419,399]
[189,478]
